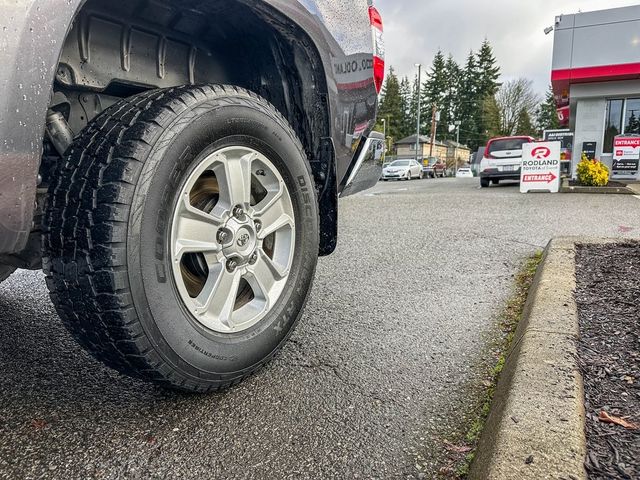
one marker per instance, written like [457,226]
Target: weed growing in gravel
[462,455]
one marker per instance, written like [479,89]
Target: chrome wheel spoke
[195,230]
[274,215]
[264,275]
[236,181]
[218,298]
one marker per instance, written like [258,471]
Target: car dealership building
[596,82]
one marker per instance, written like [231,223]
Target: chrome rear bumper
[367,167]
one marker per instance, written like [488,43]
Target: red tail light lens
[378,47]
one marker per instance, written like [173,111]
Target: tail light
[378,47]
[487,151]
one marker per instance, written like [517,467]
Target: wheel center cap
[242,239]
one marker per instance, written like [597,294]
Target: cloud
[416,29]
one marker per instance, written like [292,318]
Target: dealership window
[614,123]
[623,116]
[632,116]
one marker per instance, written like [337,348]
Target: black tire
[485,182]
[106,226]
[495,181]
[5,272]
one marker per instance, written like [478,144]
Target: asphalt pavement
[381,368]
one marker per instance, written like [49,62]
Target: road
[380,369]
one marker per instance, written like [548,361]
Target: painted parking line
[637,196]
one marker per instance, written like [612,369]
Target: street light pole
[418,86]
[457,124]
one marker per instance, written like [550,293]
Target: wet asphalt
[381,368]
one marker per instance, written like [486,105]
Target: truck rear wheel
[182,236]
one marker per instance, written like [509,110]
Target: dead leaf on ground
[456,448]
[38,424]
[606,418]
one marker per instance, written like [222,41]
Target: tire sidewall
[192,350]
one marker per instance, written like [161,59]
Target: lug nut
[223,236]
[232,264]
[238,212]
[258,226]
[254,258]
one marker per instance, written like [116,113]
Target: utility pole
[434,125]
[457,124]
[419,86]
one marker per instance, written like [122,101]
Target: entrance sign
[540,167]
[626,156]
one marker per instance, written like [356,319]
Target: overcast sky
[416,29]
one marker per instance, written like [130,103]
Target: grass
[461,450]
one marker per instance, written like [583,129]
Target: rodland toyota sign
[540,167]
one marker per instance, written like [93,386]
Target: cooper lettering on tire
[180,241]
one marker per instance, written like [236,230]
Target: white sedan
[464,173]
[402,170]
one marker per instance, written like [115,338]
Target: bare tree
[515,98]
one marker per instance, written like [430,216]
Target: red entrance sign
[540,177]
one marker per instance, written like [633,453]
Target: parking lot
[380,369]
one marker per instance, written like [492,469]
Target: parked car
[175,167]
[464,172]
[434,167]
[502,160]
[402,170]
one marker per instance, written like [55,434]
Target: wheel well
[116,49]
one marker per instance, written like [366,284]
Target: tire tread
[85,227]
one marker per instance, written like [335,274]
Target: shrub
[592,173]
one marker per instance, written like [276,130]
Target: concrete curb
[535,429]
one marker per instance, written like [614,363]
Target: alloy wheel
[232,239]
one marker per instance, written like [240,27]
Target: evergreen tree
[487,87]
[488,71]
[434,89]
[413,106]
[546,114]
[490,116]
[468,102]
[391,106]
[406,94]
[525,125]
[449,108]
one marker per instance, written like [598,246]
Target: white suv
[502,160]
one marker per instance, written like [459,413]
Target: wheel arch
[119,48]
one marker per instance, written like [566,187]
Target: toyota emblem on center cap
[243,239]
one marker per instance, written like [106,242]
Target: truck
[174,167]
[433,167]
